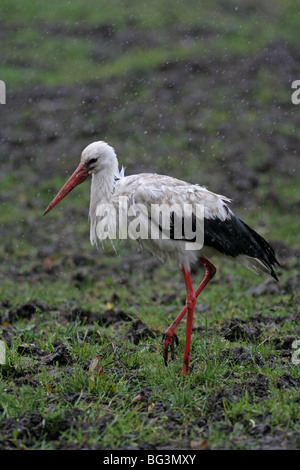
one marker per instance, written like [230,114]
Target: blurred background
[198,90]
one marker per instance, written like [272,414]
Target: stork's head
[94,158]
[97,156]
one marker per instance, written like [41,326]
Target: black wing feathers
[233,237]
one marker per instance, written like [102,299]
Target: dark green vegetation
[201,92]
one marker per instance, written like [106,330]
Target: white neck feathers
[102,187]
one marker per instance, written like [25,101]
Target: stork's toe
[169,341]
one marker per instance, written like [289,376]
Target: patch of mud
[138,331]
[269,319]
[25,310]
[268,287]
[34,426]
[267,438]
[105,318]
[257,389]
[234,330]
[29,349]
[288,381]
[240,355]
[60,356]
[284,346]
[292,284]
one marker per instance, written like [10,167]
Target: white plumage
[223,233]
[149,189]
[108,184]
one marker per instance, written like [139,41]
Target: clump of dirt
[144,395]
[137,331]
[30,349]
[284,345]
[61,355]
[115,316]
[34,425]
[265,288]
[234,330]
[257,389]
[270,319]
[288,381]
[26,310]
[260,430]
[239,354]
[106,318]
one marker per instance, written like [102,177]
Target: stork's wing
[148,189]
[223,231]
[186,206]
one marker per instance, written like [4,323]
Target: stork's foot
[169,341]
[185,367]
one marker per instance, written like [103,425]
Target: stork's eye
[92,160]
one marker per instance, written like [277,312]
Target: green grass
[129,369]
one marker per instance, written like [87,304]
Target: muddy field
[222,120]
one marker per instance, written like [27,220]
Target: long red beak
[79,176]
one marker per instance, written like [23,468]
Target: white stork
[224,233]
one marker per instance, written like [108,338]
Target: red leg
[190,304]
[170,335]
